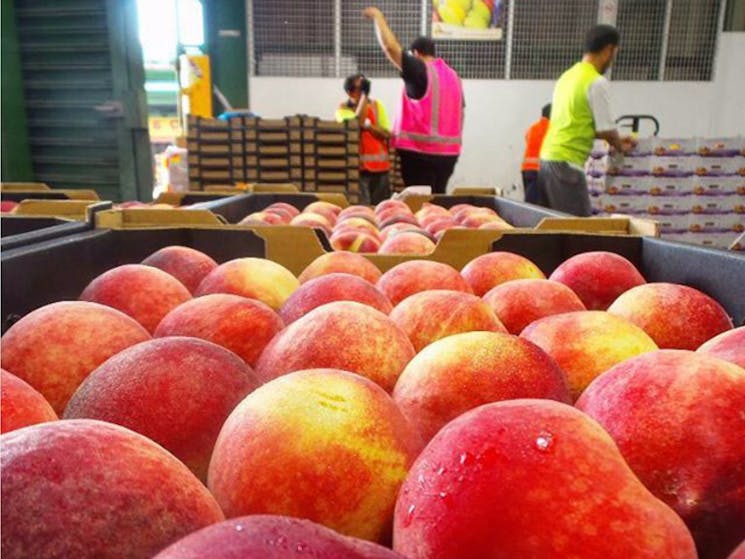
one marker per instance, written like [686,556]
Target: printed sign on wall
[474,20]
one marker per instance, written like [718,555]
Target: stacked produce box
[317,155]
[695,188]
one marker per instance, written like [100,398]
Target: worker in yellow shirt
[375,162]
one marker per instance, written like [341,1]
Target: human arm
[598,96]
[386,39]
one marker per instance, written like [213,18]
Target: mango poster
[475,20]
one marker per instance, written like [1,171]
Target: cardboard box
[671,186]
[81,257]
[719,186]
[19,230]
[721,147]
[674,146]
[668,205]
[630,166]
[739,243]
[671,166]
[633,185]
[720,166]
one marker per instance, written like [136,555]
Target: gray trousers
[564,188]
[374,187]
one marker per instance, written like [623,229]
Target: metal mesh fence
[359,48]
[642,27]
[294,38]
[692,40]
[548,36]
[660,39]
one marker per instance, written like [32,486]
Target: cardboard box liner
[75,210]
[525,217]
[18,231]
[19,191]
[73,261]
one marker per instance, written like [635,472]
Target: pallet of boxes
[694,188]
[316,155]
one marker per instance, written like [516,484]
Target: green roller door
[83,83]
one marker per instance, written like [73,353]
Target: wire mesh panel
[359,48]
[660,39]
[294,38]
[548,36]
[642,27]
[692,40]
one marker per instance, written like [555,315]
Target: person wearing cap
[427,131]
[375,162]
[580,112]
[531,159]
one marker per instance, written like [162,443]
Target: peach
[330,288]
[677,418]
[738,553]
[284,207]
[729,345]
[675,316]
[244,326]
[20,404]
[440,224]
[90,489]
[585,344]
[489,270]
[316,221]
[264,218]
[327,209]
[477,219]
[392,217]
[255,278]
[517,303]
[407,242]
[598,278]
[498,225]
[356,223]
[144,388]
[392,204]
[428,316]
[145,293]
[187,265]
[340,335]
[461,372]
[357,211]
[282,212]
[8,206]
[354,241]
[56,346]
[322,444]
[414,276]
[342,262]
[428,209]
[530,478]
[263,536]
[395,228]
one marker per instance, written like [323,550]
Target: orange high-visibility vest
[533,141]
[373,150]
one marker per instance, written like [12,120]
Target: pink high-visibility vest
[432,124]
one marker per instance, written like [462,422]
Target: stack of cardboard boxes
[316,155]
[695,188]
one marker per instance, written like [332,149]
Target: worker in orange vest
[375,128]
[531,160]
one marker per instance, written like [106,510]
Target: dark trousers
[565,188]
[374,187]
[533,195]
[422,169]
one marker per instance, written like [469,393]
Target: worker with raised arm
[427,131]
[580,112]
[375,162]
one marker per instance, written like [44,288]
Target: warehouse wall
[493,141]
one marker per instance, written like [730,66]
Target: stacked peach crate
[314,154]
[695,188]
